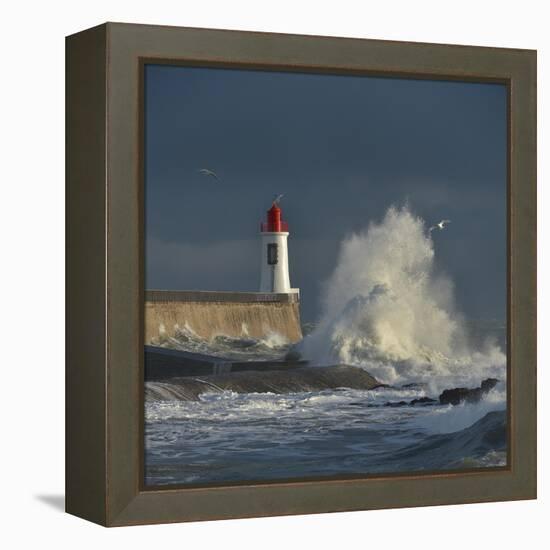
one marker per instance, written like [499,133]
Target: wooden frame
[105,283]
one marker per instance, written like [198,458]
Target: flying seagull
[277,198]
[207,172]
[441,225]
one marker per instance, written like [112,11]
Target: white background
[32,273]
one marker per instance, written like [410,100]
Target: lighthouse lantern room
[274,234]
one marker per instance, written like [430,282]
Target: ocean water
[228,437]
[387,308]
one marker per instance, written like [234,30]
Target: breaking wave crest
[387,309]
[244,348]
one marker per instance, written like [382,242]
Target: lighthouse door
[272,254]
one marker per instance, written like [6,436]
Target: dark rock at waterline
[455,396]
[423,401]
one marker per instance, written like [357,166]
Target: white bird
[277,198]
[441,225]
[207,172]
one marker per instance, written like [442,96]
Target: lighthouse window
[272,254]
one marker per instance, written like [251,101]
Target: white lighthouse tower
[274,234]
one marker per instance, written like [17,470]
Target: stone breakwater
[233,314]
[305,379]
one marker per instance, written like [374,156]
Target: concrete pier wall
[307,379]
[235,314]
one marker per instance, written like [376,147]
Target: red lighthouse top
[274,222]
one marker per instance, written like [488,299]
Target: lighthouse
[274,253]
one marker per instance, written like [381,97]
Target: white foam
[274,340]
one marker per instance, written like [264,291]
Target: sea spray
[273,346]
[387,309]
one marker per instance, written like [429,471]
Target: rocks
[455,396]
[423,401]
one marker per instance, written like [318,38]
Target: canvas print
[325,266]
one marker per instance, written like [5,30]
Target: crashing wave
[387,309]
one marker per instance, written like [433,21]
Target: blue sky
[342,149]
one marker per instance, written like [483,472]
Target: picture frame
[105,272]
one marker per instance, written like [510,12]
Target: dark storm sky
[342,149]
